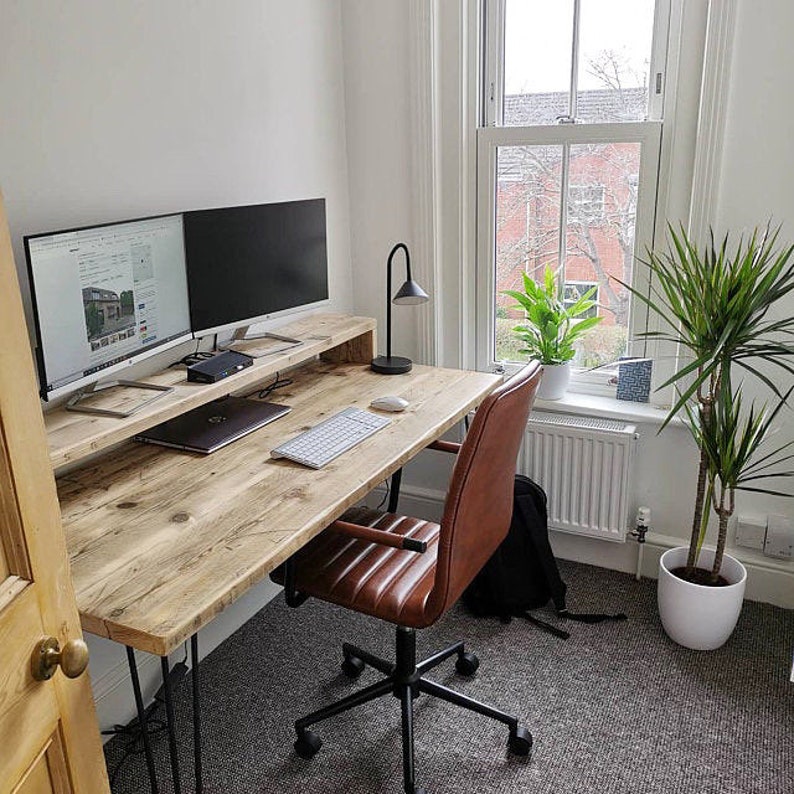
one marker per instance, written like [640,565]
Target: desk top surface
[161,541]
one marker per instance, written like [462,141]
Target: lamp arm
[388,289]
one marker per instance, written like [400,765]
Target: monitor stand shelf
[333,337]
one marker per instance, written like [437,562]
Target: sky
[538,36]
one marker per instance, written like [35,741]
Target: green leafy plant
[716,304]
[551,328]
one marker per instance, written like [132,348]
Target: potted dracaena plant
[716,305]
[550,329]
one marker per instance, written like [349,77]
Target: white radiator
[584,465]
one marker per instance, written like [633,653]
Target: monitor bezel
[143,354]
[230,328]
[247,322]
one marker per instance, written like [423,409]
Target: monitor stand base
[96,388]
[241,338]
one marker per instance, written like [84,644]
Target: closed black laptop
[214,425]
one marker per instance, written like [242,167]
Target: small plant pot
[554,382]
[694,615]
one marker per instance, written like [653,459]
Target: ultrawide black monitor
[248,264]
[105,297]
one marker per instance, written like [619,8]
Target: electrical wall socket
[751,532]
[779,538]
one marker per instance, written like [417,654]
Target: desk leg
[196,713]
[169,711]
[394,490]
[142,721]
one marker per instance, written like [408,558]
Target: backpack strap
[584,617]
[541,624]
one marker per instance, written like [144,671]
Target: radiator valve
[643,524]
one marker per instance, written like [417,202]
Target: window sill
[580,404]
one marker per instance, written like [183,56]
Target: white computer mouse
[389,402]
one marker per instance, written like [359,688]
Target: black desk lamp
[409,293]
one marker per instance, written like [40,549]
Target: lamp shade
[410,294]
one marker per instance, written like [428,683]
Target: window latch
[565,119]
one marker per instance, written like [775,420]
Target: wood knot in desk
[180,518]
[126,505]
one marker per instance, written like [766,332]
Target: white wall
[755,177]
[755,180]
[122,109]
[117,110]
[377,99]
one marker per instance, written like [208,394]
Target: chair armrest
[379,536]
[445,446]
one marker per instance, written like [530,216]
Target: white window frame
[490,137]
[587,286]
[647,134]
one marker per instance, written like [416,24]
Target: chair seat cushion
[391,584]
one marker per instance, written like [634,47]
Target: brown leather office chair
[409,572]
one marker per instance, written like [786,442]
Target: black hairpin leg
[394,491]
[169,712]
[142,722]
[196,713]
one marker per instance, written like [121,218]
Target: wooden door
[49,740]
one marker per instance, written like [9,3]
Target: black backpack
[522,574]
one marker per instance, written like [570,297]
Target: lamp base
[391,365]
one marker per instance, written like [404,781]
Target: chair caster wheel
[307,744]
[467,664]
[520,743]
[352,666]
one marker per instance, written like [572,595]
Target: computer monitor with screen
[105,297]
[249,264]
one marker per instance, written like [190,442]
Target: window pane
[537,73]
[527,229]
[599,240]
[615,38]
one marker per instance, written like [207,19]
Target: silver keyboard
[331,438]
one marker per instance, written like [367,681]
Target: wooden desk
[161,541]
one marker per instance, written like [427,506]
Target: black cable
[278,383]
[132,735]
[194,357]
[386,495]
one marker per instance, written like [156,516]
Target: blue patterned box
[634,379]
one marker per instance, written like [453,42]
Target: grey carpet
[616,708]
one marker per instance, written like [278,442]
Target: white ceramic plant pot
[694,615]
[554,382]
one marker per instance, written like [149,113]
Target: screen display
[246,263]
[104,295]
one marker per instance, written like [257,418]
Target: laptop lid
[214,425]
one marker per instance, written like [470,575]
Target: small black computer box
[218,367]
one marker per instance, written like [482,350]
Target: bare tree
[529,180]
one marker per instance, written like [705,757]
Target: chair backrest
[479,504]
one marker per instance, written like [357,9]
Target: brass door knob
[48,656]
